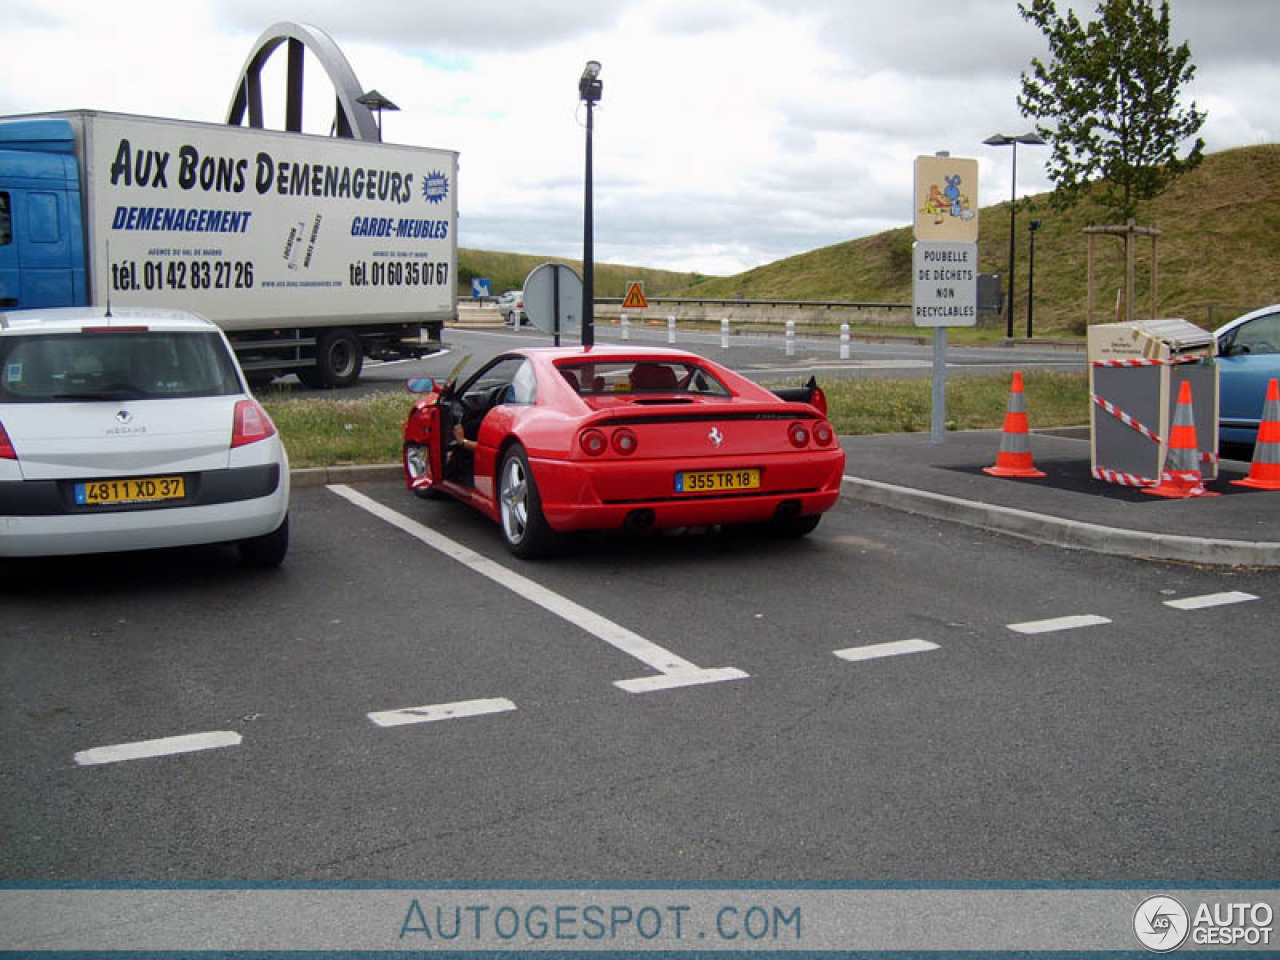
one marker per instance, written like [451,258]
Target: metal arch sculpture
[354,120]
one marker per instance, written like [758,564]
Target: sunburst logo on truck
[435,187]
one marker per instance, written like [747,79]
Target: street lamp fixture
[590,89]
[589,85]
[1005,140]
[377,103]
[1032,227]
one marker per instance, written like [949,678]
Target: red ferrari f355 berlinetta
[549,440]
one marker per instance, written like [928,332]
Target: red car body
[608,438]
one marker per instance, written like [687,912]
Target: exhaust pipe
[638,521]
[787,509]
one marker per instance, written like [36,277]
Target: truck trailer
[311,252]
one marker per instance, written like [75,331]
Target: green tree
[1107,103]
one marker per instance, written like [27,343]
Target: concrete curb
[1060,532]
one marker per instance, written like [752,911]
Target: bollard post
[724,333]
[671,328]
[791,338]
[844,341]
[624,325]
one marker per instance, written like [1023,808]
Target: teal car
[1248,357]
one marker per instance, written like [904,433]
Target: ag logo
[1161,924]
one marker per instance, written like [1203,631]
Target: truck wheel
[339,360]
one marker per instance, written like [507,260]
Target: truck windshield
[134,365]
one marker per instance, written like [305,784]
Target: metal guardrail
[736,302]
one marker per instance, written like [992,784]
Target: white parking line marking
[144,749]
[647,652]
[892,649]
[679,678]
[441,711]
[1059,623]
[1210,600]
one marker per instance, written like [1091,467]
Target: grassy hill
[1217,255]
[507,271]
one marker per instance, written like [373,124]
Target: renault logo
[715,436]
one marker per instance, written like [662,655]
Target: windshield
[125,365]
[642,377]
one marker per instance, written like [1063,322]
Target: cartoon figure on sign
[936,205]
[949,202]
[959,203]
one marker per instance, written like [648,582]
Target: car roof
[73,319]
[1262,312]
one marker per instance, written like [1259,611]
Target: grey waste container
[1135,372]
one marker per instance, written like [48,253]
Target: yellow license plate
[130,490]
[713,481]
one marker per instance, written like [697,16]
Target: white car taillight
[6,446]
[251,424]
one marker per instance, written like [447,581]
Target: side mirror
[421,385]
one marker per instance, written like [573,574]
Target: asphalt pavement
[1066,508]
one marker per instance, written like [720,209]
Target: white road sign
[944,284]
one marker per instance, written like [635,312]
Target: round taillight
[625,442]
[799,434]
[823,434]
[593,442]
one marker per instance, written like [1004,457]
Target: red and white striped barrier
[1143,362]
[1206,456]
[1124,418]
[1123,479]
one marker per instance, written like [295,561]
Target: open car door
[424,437]
[427,431]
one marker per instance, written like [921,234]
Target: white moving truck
[311,252]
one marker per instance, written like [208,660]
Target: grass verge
[325,432]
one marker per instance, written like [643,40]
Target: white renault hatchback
[133,431]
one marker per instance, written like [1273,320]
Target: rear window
[125,365]
[642,377]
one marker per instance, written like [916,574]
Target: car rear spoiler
[810,393]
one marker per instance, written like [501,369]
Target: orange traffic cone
[1181,476]
[1265,472]
[1014,458]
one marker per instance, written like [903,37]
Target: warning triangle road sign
[635,299]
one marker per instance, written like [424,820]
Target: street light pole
[1004,140]
[590,89]
[1032,227]
[377,103]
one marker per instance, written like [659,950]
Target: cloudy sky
[732,132]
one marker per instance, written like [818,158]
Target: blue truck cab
[42,236]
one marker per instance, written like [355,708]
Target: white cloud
[731,133]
